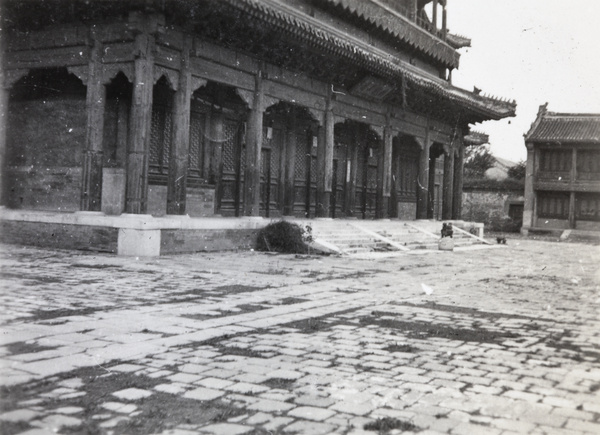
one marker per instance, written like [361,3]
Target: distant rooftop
[564,127]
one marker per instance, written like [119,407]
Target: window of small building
[554,205]
[588,164]
[553,160]
[587,207]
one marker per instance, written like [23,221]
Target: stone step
[357,236]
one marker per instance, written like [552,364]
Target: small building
[562,185]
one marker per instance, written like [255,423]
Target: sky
[532,51]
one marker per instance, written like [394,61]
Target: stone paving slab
[502,341]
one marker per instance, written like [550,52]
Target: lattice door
[160,144]
[231,164]
[338,194]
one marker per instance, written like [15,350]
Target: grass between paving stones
[314,324]
[62,312]
[21,347]
[464,310]
[291,301]
[103,267]
[405,348]
[279,383]
[424,330]
[13,427]
[156,413]
[237,288]
[387,424]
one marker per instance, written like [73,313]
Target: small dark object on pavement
[501,240]
[447,230]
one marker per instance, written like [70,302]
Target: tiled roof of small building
[555,127]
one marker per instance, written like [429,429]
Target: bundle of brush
[283,237]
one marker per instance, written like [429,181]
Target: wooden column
[458,178]
[412,12]
[329,143]
[320,176]
[254,133]
[573,177]
[217,135]
[383,211]
[291,138]
[140,119]
[435,15]
[4,96]
[351,176]
[91,188]
[180,136]
[528,215]
[423,177]
[448,186]
[444,22]
[431,187]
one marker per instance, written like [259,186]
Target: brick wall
[489,207]
[59,236]
[184,241]
[45,143]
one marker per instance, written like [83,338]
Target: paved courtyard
[480,341]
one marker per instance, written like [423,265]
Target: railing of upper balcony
[423,21]
[420,17]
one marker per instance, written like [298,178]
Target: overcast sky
[533,51]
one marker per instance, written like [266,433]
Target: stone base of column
[323,204]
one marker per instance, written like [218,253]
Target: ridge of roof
[571,115]
[457,41]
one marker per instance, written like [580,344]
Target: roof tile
[558,127]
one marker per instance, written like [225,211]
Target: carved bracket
[197,83]
[423,144]
[171,75]
[337,119]
[269,101]
[247,96]
[377,129]
[316,114]
[82,72]
[111,70]
[12,76]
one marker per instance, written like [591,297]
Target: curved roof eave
[402,28]
[480,107]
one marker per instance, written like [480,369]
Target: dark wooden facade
[234,107]
[562,185]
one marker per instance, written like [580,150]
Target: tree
[517,171]
[478,159]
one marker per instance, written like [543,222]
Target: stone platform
[146,235]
